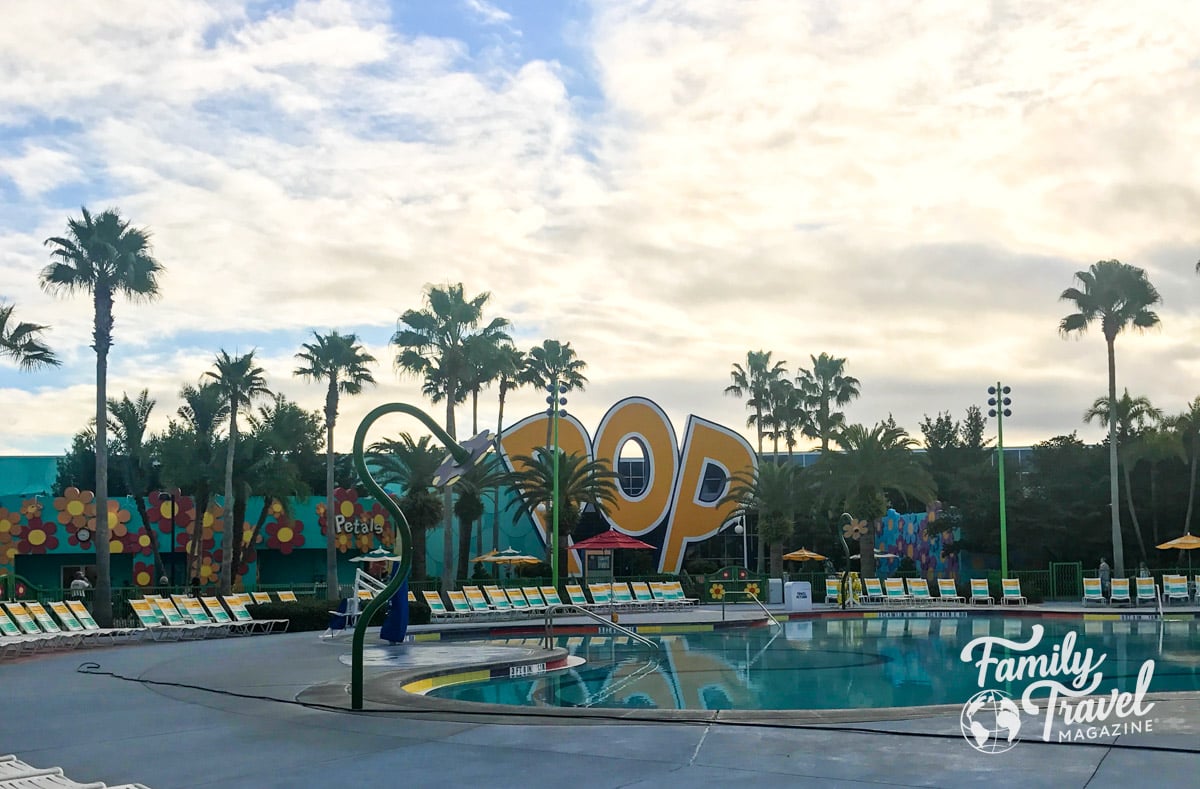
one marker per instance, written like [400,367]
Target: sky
[665,184]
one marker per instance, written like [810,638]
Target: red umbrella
[611,540]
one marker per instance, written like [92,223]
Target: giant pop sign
[676,506]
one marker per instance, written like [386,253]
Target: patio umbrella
[611,540]
[377,555]
[803,555]
[1185,543]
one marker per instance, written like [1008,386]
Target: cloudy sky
[666,184]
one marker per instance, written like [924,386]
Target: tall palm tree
[554,362]
[484,367]
[580,482]
[872,462]
[22,342]
[468,506]
[128,420]
[1186,427]
[340,361]
[1154,445]
[1118,296]
[513,373]
[794,417]
[1132,415]
[770,493]
[103,256]
[241,381]
[826,388]
[412,464]
[753,381]
[434,343]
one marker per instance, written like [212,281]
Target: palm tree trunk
[1133,518]
[333,589]
[232,528]
[776,561]
[448,501]
[474,412]
[866,553]
[102,599]
[496,491]
[1154,500]
[464,549]
[1113,485]
[203,496]
[1187,519]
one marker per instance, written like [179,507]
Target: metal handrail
[566,607]
[770,616]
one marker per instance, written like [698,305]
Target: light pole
[556,401]
[170,496]
[461,458]
[1000,403]
[740,528]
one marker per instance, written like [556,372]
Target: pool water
[836,664]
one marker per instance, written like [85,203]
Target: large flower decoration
[285,537]
[160,512]
[210,569]
[31,508]
[346,504]
[377,516]
[75,509]
[10,530]
[343,541]
[38,536]
[752,589]
[365,542]
[143,574]
[717,591]
[854,529]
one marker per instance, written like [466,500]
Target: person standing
[1143,571]
[79,585]
[1105,573]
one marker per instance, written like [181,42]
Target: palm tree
[512,366]
[794,417]
[468,506]
[827,387]
[1186,427]
[580,482]
[128,424]
[1119,296]
[412,464]
[872,462]
[769,492]
[484,367]
[551,363]
[22,342]
[1154,445]
[103,256]
[340,361]
[754,382]
[435,343]
[1132,415]
[241,381]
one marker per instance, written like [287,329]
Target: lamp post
[462,457]
[740,528]
[170,496]
[1000,402]
[556,401]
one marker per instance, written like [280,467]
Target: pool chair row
[893,591]
[17,774]
[188,618]
[1174,590]
[28,628]
[475,602]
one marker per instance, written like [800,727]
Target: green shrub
[702,567]
[309,614]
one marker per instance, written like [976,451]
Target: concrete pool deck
[224,713]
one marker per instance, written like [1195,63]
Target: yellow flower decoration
[854,529]
[31,508]
[752,589]
[717,591]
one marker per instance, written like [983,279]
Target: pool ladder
[568,608]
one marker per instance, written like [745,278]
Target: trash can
[797,596]
[774,591]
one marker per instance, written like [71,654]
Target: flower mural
[717,591]
[752,589]
[854,529]
[905,535]
[159,513]
[31,508]
[75,509]
[38,536]
[210,569]
[143,574]
[10,531]
[285,537]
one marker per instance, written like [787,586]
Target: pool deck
[251,712]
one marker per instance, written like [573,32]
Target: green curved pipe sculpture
[461,458]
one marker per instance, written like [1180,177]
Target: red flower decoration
[285,537]
[38,537]
[143,574]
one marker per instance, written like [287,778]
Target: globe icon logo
[991,721]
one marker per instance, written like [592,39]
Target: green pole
[1000,465]
[554,487]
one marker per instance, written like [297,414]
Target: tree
[434,343]
[483,367]
[769,493]
[22,342]
[872,462]
[412,464]
[554,362]
[826,387]
[128,424]
[580,482]
[1154,445]
[103,256]
[1187,427]
[340,361]
[1118,296]
[468,504]
[792,416]
[512,374]
[753,381]
[241,381]
[1132,415]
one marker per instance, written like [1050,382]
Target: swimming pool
[835,664]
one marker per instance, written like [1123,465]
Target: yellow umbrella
[1185,543]
[803,555]
[487,557]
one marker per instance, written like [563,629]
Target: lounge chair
[499,600]
[1093,592]
[675,590]
[1147,591]
[172,617]
[154,623]
[479,602]
[516,598]
[550,595]
[895,591]
[78,610]
[663,596]
[602,596]
[15,642]
[1175,588]
[437,609]
[874,593]
[238,609]
[218,614]
[459,604]
[578,598]
[47,623]
[833,590]
[261,598]
[1196,589]
[948,592]
[642,593]
[918,589]
[979,592]
[624,598]
[287,597]
[1012,592]
[1118,591]
[194,610]
[537,603]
